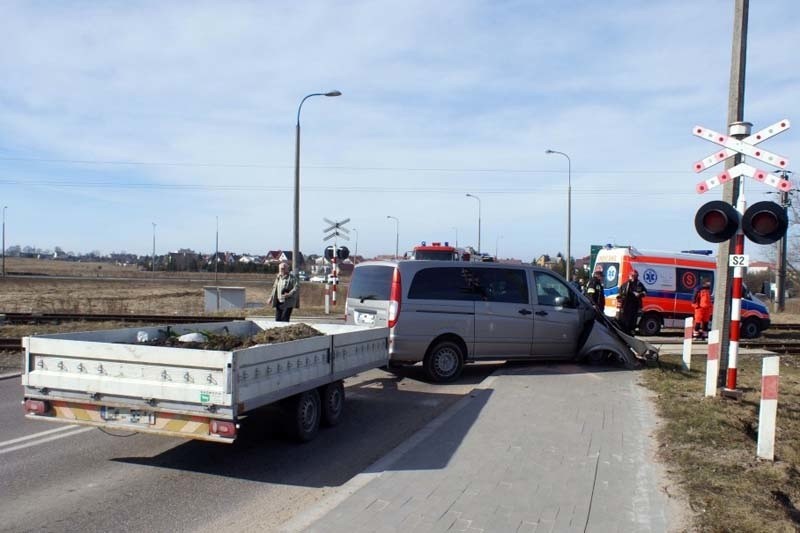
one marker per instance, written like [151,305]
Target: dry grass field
[43,286]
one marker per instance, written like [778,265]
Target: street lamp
[479,220]
[4,240]
[496,242]
[355,254]
[456,230]
[567,271]
[296,241]
[396,235]
[154,249]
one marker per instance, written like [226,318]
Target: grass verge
[709,446]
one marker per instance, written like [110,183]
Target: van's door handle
[541,313]
[525,312]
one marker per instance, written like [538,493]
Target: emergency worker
[703,304]
[629,302]
[594,290]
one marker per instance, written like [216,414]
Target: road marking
[77,430]
[36,435]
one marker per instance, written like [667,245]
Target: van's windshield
[371,282]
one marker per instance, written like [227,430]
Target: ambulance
[670,280]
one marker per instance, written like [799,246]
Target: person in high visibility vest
[703,304]
[594,290]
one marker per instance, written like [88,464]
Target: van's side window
[548,288]
[507,285]
[447,283]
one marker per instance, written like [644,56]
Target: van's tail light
[36,407]
[222,428]
[394,298]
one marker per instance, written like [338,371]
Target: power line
[329,167]
[579,191]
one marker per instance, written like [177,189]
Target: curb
[307,518]
[11,375]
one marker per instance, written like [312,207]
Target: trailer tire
[307,414]
[332,403]
[650,325]
[444,361]
[750,328]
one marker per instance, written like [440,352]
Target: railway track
[49,318]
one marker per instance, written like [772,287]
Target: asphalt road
[55,477]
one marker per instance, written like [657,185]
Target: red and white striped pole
[736,302]
[688,334]
[712,363]
[769,408]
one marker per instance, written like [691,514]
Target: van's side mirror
[559,301]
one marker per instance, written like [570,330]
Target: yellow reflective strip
[175,425]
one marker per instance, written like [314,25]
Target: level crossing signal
[763,222]
[342,253]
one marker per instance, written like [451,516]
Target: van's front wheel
[444,361]
[750,328]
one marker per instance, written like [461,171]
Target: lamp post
[496,242]
[567,271]
[456,230]
[479,220]
[355,254]
[396,235]
[154,249]
[4,240]
[296,240]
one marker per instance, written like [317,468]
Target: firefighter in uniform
[594,290]
[629,302]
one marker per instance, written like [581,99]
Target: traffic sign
[746,146]
[741,260]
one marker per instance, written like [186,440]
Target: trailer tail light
[222,428]
[36,407]
[394,298]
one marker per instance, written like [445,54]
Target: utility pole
[780,278]
[730,190]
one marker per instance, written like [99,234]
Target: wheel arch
[452,337]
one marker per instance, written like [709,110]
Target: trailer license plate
[136,417]
[365,318]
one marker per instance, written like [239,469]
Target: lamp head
[548,151]
[334,93]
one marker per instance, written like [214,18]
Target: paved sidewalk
[538,448]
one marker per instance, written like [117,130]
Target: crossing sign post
[335,231]
[718,223]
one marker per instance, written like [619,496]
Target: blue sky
[117,115]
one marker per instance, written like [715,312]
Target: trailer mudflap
[139,420]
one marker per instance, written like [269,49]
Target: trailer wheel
[307,415]
[750,328]
[332,403]
[444,361]
[650,325]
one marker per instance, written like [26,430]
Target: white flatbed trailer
[108,379]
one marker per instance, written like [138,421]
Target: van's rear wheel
[332,403]
[444,361]
[650,325]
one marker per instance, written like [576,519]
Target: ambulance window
[610,274]
[689,279]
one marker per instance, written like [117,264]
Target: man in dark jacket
[629,302]
[594,291]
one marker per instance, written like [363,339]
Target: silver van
[448,313]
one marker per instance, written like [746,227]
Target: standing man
[629,302]
[284,293]
[703,307]
[595,291]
